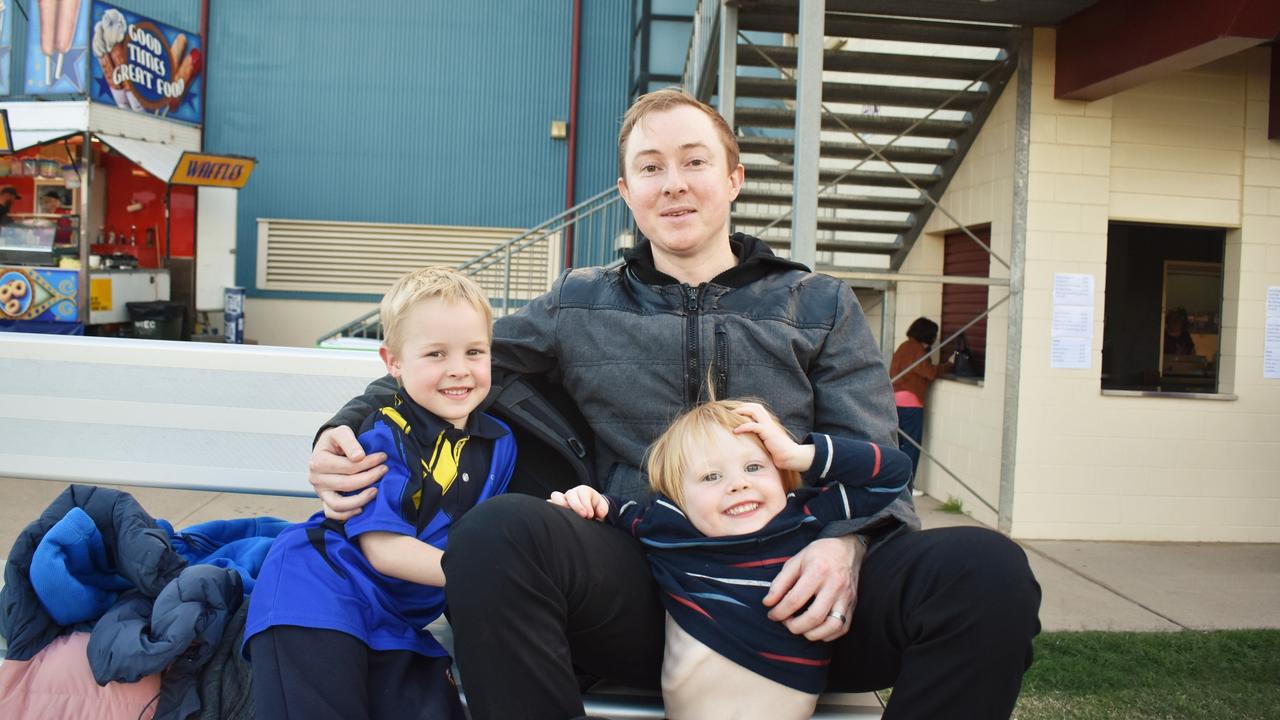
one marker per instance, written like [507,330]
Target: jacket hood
[755,260]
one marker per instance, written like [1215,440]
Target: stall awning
[23,139]
[162,160]
[156,158]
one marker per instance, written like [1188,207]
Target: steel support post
[728,90]
[888,321]
[86,232]
[804,176]
[1017,264]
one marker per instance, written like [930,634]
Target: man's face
[677,182]
[49,204]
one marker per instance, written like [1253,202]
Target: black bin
[157,320]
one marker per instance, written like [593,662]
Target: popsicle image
[187,72]
[64,30]
[48,20]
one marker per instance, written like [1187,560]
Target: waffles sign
[145,66]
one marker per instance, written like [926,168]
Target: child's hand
[787,454]
[583,500]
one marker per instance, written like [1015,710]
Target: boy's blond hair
[429,283]
[671,454]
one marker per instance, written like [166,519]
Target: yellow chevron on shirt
[442,469]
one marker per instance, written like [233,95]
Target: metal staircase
[903,101]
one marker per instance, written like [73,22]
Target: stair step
[889,227]
[783,147]
[783,173]
[780,16]
[927,98]
[849,246]
[857,122]
[831,200]
[864,62]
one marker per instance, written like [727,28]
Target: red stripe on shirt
[795,660]
[762,563]
[690,603]
[876,470]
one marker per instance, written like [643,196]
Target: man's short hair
[429,283]
[662,101]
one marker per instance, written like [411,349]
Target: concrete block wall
[964,422]
[1187,149]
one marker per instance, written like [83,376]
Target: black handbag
[963,361]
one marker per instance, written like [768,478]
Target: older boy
[944,616]
[336,623]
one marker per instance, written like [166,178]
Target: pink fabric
[57,684]
[906,398]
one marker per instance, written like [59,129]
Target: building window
[962,303]
[1162,321]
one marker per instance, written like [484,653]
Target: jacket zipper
[722,362]
[692,300]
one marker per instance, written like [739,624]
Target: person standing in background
[909,390]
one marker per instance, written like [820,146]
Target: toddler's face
[443,360]
[731,487]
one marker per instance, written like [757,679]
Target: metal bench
[196,416]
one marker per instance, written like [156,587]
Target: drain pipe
[571,171]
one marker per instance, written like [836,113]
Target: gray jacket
[632,348]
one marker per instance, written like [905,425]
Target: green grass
[1148,676]
[953,505]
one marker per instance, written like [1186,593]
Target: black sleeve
[379,393]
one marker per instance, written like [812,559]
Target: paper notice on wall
[1072,321]
[1273,303]
[1072,289]
[1271,350]
[1071,346]
[1071,353]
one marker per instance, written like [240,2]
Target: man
[51,204]
[7,196]
[944,616]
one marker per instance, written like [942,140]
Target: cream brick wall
[297,323]
[1190,148]
[963,424]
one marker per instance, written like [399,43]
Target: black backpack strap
[551,452]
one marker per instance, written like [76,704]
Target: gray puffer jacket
[633,347]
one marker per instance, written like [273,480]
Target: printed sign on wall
[45,294]
[57,46]
[145,66]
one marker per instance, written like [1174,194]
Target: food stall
[105,197]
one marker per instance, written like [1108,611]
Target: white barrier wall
[200,416]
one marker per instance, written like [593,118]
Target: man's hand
[338,465]
[826,573]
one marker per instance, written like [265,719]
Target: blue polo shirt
[315,575]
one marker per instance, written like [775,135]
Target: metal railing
[700,58]
[601,224]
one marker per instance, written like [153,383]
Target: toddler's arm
[583,500]
[403,557]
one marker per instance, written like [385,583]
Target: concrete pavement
[1086,585]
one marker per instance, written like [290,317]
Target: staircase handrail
[501,252]
[704,43]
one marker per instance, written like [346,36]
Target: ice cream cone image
[108,46]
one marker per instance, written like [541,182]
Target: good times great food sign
[145,66]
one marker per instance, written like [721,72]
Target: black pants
[944,616]
[308,674]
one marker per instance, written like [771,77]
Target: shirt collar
[478,424]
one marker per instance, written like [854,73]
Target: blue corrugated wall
[408,111]
[604,79]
